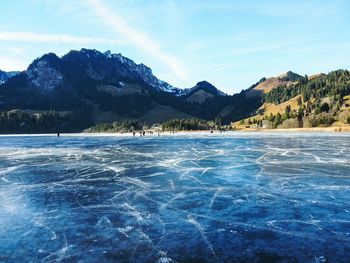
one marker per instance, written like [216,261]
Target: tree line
[122,126]
[191,124]
[17,121]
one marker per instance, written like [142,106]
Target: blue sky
[231,44]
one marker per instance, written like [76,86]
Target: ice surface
[213,198]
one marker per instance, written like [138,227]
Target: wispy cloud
[54,38]
[13,50]
[135,37]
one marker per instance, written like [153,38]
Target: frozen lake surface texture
[239,197]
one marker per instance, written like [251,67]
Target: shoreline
[335,129]
[313,129]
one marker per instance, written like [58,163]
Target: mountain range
[86,87]
[105,87]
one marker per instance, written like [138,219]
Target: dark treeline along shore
[108,92]
[170,125]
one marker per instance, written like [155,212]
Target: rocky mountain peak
[207,87]
[88,65]
[44,72]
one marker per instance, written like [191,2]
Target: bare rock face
[44,73]
[144,73]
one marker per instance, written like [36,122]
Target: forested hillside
[310,102]
[335,84]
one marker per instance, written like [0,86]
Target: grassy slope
[269,84]
[267,108]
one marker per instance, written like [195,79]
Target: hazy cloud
[11,64]
[54,38]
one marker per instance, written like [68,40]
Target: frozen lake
[261,197]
